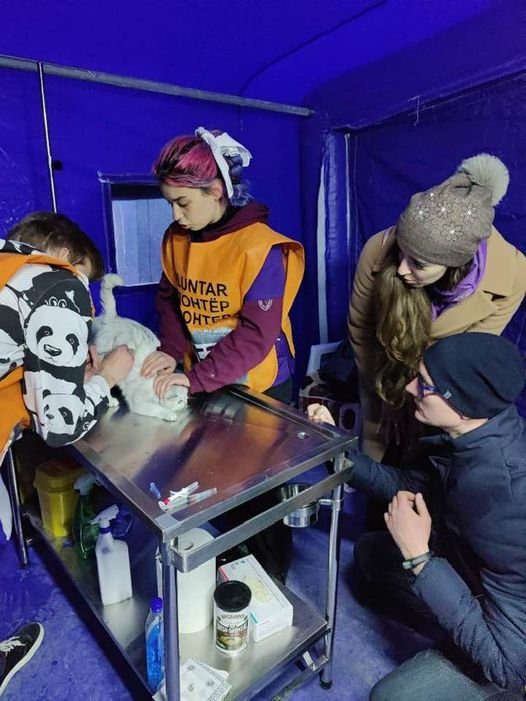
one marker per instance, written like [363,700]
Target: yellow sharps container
[54,483]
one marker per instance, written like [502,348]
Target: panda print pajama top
[45,325]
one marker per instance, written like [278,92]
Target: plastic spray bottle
[154,633]
[113,561]
[84,531]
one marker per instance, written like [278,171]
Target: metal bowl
[304,516]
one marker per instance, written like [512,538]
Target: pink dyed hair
[186,161]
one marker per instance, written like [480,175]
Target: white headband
[221,146]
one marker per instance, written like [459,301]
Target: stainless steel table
[245,444]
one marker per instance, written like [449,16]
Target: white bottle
[113,561]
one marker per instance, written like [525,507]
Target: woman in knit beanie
[443,269]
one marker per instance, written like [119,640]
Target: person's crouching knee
[382,691]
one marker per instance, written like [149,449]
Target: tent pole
[122,81]
[46,134]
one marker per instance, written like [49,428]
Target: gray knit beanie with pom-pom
[445,225]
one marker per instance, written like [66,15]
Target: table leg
[171,628]
[332,578]
[12,485]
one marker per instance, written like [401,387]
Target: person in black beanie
[479,375]
[454,559]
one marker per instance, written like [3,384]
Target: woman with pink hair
[229,280]
[228,283]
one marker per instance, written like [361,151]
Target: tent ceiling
[342,56]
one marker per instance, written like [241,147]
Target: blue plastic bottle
[155,644]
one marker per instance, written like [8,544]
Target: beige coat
[488,309]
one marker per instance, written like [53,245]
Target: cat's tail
[107,299]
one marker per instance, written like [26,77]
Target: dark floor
[76,662]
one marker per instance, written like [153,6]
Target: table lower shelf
[249,672]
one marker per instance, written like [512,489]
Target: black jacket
[479,479]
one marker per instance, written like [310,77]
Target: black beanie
[479,374]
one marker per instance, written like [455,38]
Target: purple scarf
[441,300]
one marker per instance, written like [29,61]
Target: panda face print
[33,392]
[53,417]
[56,408]
[59,412]
[36,289]
[45,331]
[55,335]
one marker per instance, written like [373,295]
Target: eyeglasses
[423,388]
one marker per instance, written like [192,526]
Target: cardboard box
[270,610]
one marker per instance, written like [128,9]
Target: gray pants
[430,675]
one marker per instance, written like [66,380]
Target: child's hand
[116,365]
[93,364]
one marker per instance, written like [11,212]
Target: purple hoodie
[442,300]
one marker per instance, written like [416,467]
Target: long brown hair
[403,325]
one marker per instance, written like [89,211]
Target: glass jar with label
[231,616]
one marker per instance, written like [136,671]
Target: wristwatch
[419,560]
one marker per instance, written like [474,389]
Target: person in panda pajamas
[47,380]
[46,320]
[50,380]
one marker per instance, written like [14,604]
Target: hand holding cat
[158,363]
[93,364]
[116,365]
[162,383]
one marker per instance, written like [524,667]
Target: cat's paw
[176,398]
[170,416]
[113,401]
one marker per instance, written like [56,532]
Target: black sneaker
[17,650]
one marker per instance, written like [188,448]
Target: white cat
[111,330]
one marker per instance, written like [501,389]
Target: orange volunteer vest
[212,279]
[13,411]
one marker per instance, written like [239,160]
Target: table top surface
[239,442]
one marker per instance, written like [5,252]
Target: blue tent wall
[407,154]
[278,50]
[353,63]
[407,49]
[23,178]
[113,130]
